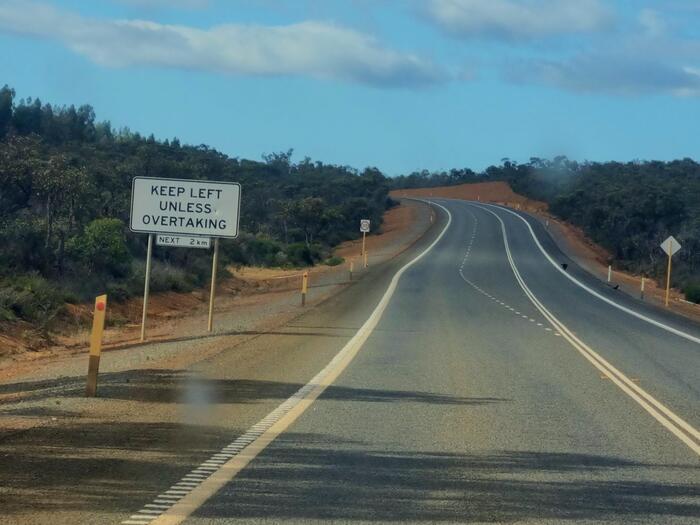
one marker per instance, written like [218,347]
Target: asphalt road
[467,387]
[467,404]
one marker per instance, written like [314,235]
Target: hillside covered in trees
[628,208]
[65,184]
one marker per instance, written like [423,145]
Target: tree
[62,174]
[308,215]
[59,186]
[285,213]
[102,247]
[7,96]
[19,163]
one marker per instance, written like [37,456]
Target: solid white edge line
[695,433]
[629,311]
[299,404]
[667,419]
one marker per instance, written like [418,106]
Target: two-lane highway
[486,387]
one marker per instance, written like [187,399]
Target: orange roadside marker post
[98,324]
[304,287]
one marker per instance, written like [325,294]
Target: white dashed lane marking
[484,292]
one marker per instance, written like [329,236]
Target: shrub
[299,254]
[692,292]
[102,248]
[334,261]
[261,250]
[166,277]
[9,297]
[118,292]
[31,298]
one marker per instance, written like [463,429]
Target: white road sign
[181,241]
[364,225]
[670,246]
[185,207]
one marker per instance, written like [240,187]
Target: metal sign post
[668,278]
[364,228]
[212,292]
[146,286]
[670,246]
[363,247]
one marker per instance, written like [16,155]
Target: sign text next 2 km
[185,207]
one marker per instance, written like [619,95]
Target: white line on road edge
[680,428]
[638,315]
[258,437]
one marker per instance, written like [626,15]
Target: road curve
[492,389]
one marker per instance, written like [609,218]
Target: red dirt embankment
[501,193]
[497,192]
[571,240]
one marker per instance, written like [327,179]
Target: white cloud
[635,65]
[314,49]
[523,19]
[649,62]
[612,74]
[180,4]
[652,22]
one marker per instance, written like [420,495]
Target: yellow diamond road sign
[670,246]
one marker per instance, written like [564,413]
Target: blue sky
[400,85]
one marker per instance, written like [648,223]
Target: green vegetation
[628,208]
[334,261]
[427,179]
[65,184]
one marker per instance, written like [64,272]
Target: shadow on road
[167,386]
[96,467]
[299,479]
[83,467]
[107,471]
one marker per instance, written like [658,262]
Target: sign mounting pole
[670,246]
[364,234]
[364,228]
[668,272]
[212,293]
[146,286]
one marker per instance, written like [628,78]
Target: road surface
[478,383]
[493,388]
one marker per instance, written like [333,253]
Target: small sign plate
[180,241]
